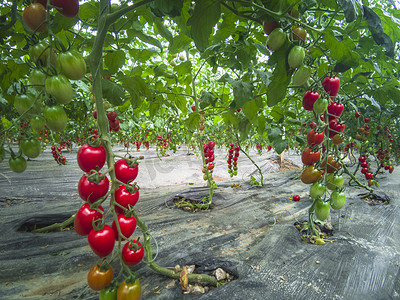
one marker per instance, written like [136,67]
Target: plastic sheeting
[248,232]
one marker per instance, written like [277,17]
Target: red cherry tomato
[127,226]
[83,222]
[89,158]
[124,172]
[102,241]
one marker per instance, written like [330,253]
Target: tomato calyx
[135,245]
[132,162]
[132,188]
[95,177]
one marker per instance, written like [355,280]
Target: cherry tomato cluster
[322,170]
[57,155]
[113,121]
[259,148]
[365,168]
[233,156]
[363,132]
[89,220]
[209,155]
[162,145]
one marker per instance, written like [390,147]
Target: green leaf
[114,60]
[6,123]
[206,14]
[193,121]
[162,70]
[137,88]
[242,91]
[277,88]
[376,28]
[206,99]
[179,43]
[350,9]
[250,110]
[183,69]
[113,92]
[87,11]
[149,39]
[162,30]
[274,133]
[280,145]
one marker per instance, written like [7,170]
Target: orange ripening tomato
[98,279]
[310,175]
[34,16]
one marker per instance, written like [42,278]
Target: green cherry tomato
[129,291]
[320,106]
[60,88]
[37,123]
[296,57]
[322,210]
[30,147]
[276,39]
[337,200]
[37,79]
[334,182]
[17,164]
[108,294]
[40,54]
[72,64]
[317,190]
[302,75]
[2,153]
[56,118]
[26,105]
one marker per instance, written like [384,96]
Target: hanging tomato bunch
[233,156]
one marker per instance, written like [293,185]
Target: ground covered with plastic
[249,232]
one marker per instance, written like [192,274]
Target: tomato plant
[322,209]
[299,33]
[132,253]
[276,39]
[30,147]
[102,241]
[72,64]
[34,16]
[127,225]
[129,291]
[56,118]
[126,170]
[296,57]
[98,279]
[309,157]
[331,85]
[17,164]
[337,200]
[83,222]
[310,175]
[60,88]
[68,8]
[125,197]
[91,158]
[269,26]
[92,191]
